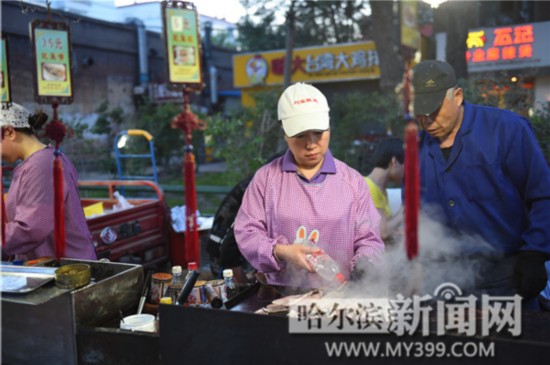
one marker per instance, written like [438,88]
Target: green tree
[109,121]
[247,138]
[155,119]
[168,143]
[500,91]
[317,23]
[262,36]
[541,124]
[359,122]
[497,90]
[328,22]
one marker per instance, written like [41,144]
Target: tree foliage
[499,91]
[247,138]
[154,118]
[317,23]
[359,121]
[541,123]
[109,121]
[261,36]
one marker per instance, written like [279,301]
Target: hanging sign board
[52,62]
[5,75]
[410,33]
[182,43]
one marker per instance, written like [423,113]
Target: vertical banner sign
[52,59]
[410,34]
[182,44]
[5,75]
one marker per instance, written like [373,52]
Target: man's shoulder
[498,119]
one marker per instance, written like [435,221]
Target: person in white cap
[29,231]
[306,187]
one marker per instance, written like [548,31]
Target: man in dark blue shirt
[483,171]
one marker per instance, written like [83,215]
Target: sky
[231,10]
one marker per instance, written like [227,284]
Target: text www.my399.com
[410,349]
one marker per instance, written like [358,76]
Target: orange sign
[508,47]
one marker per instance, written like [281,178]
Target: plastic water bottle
[191,266]
[326,267]
[177,275]
[230,287]
[122,202]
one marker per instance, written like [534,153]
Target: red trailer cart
[138,234]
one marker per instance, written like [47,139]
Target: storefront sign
[341,62]
[5,75]
[182,42]
[52,59]
[508,47]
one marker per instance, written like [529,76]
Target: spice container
[159,284]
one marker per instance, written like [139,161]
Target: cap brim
[429,102]
[306,122]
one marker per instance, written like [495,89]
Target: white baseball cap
[303,107]
[16,116]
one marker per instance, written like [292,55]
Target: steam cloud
[443,257]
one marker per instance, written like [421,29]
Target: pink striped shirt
[30,211]
[278,201]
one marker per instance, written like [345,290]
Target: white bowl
[139,322]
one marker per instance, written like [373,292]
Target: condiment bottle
[191,266]
[230,286]
[177,275]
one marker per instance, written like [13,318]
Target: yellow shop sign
[340,62]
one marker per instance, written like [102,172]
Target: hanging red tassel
[187,121]
[59,207]
[191,229]
[56,131]
[412,190]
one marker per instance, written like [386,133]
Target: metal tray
[24,279]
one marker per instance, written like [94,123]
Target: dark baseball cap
[431,80]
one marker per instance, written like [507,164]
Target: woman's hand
[295,254]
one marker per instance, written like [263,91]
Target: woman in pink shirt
[306,187]
[30,199]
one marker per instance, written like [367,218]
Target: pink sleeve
[251,229]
